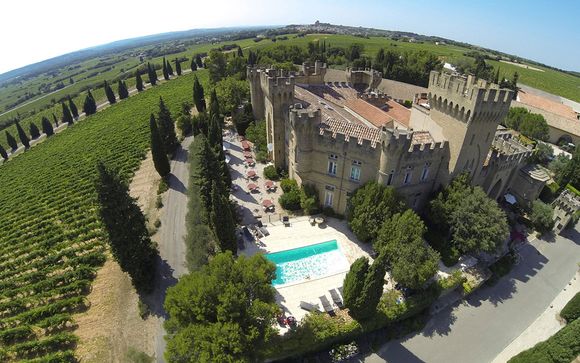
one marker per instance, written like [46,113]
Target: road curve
[479,328]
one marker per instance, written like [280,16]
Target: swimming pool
[307,263]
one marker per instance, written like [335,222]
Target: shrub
[290,200]
[542,216]
[163,187]
[271,173]
[571,311]
[309,199]
[183,124]
[408,103]
[288,184]
[159,202]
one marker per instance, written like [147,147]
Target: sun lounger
[336,298]
[308,306]
[264,231]
[326,305]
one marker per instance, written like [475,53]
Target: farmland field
[52,241]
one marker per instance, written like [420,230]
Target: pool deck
[301,233]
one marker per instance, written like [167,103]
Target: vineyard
[51,240]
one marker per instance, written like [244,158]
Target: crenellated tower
[468,112]
[272,93]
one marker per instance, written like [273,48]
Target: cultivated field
[52,242]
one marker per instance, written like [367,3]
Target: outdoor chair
[326,305]
[336,298]
[308,306]
[286,221]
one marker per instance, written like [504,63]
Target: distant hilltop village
[338,135]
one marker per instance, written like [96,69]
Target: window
[355,170]
[390,180]
[332,167]
[328,196]
[425,172]
[407,178]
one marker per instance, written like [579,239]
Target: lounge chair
[309,307]
[336,298]
[264,231]
[286,221]
[326,305]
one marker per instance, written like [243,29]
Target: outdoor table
[319,220]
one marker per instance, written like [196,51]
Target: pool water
[307,263]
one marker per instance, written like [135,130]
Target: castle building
[337,136]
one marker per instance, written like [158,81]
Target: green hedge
[562,347]
[571,311]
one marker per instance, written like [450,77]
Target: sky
[547,31]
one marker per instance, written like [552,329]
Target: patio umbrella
[251,173]
[252,186]
[510,199]
[247,154]
[246,145]
[250,161]
[267,203]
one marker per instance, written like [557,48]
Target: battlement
[470,89]
[428,146]
[272,81]
[299,114]
[363,79]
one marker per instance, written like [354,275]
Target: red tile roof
[350,130]
[547,105]
[381,113]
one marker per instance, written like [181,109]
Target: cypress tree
[165,71]
[11,141]
[178,67]
[193,65]
[122,90]
[198,96]
[3,152]
[152,74]
[221,220]
[240,52]
[73,108]
[109,92]
[354,283]
[34,132]
[496,78]
[47,127]
[125,224]
[55,120]
[169,68]
[372,290]
[89,106]
[158,150]
[198,61]
[138,82]
[166,128]
[66,115]
[22,135]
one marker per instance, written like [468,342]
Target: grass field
[52,241]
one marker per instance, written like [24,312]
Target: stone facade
[565,206]
[316,134]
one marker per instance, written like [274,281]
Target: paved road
[478,329]
[171,239]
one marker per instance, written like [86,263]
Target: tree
[158,150]
[166,128]
[221,219]
[66,115]
[178,66]
[400,239]
[543,153]
[34,132]
[535,126]
[354,282]
[169,68]
[89,106]
[165,71]
[11,141]
[542,216]
[198,95]
[372,290]
[369,206]
[125,225]
[3,153]
[216,64]
[109,93]
[138,82]
[231,93]
[199,61]
[474,221]
[55,120]
[193,65]
[22,135]
[152,74]
[122,90]
[73,108]
[222,312]
[47,127]
[571,172]
[240,52]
